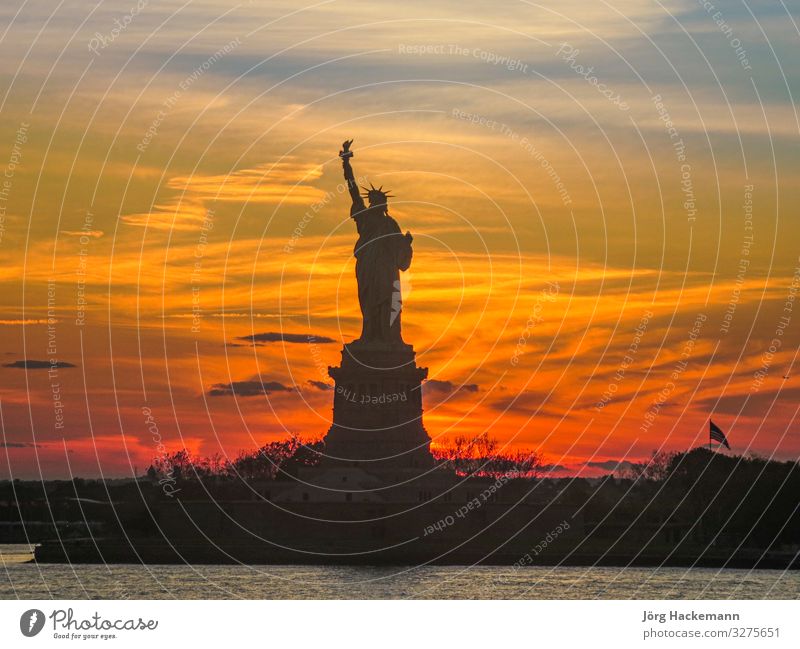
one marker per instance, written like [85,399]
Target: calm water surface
[21,579]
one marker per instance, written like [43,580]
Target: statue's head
[376,196]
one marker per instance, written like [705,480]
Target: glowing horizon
[173,190]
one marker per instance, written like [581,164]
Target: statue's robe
[381,252]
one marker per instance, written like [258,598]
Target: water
[21,579]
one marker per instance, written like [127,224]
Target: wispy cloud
[251,388]
[448,387]
[286,182]
[276,336]
[320,385]
[37,365]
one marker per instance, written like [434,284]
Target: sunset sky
[603,197]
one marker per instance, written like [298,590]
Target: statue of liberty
[381,252]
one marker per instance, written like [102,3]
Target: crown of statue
[376,196]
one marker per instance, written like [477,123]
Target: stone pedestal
[377,409]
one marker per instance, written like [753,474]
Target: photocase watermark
[471,505]
[102,41]
[680,366]
[524,142]
[451,49]
[84,239]
[52,356]
[31,622]
[569,54]
[66,626]
[479,120]
[541,546]
[744,261]
[777,341]
[316,357]
[687,186]
[626,361]
[734,42]
[370,399]
[183,86]
[197,267]
[165,471]
[14,160]
[547,294]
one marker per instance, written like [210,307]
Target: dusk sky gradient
[165,176]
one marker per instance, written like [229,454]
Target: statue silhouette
[381,252]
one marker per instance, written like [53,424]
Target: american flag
[715,434]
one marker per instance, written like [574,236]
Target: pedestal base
[377,409]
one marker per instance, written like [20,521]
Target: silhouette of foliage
[657,468]
[264,463]
[479,457]
[691,504]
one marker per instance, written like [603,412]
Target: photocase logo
[31,622]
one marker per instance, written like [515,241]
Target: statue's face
[377,199]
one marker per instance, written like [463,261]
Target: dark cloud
[530,402]
[19,445]
[320,385]
[522,402]
[553,468]
[447,387]
[610,465]
[37,365]
[751,404]
[277,336]
[252,388]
